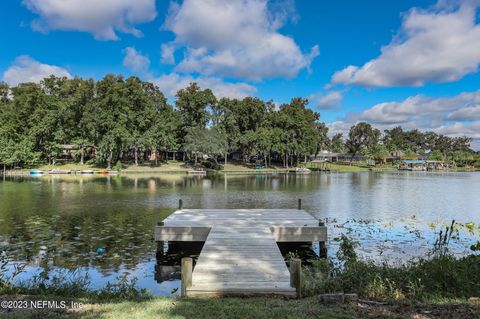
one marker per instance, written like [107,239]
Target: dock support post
[180,204]
[160,244]
[296,275]
[160,248]
[187,266]
[299,203]
[322,244]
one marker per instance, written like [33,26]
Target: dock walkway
[240,255]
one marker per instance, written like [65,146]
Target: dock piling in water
[322,245]
[299,204]
[180,204]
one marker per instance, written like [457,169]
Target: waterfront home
[338,157]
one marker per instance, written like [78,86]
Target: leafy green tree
[462,158]
[116,118]
[225,118]
[162,135]
[337,145]
[264,142]
[111,118]
[394,139]
[360,137]
[323,142]
[193,104]
[206,141]
[250,115]
[141,115]
[377,152]
[300,125]
[436,155]
[409,155]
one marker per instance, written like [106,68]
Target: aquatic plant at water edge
[441,276]
[71,283]
[7,280]
[440,247]
[123,288]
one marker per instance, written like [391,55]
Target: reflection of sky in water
[77,214]
[395,243]
[143,272]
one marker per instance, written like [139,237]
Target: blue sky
[409,63]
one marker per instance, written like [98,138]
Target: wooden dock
[240,255]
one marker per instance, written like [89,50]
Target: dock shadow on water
[168,262]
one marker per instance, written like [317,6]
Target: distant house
[413,165]
[339,157]
[68,150]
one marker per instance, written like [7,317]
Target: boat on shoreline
[302,170]
[36,172]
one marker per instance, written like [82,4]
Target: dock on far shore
[240,255]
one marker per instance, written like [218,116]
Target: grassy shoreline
[233,168]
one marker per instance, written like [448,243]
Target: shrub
[211,165]
[440,276]
[118,166]
[68,283]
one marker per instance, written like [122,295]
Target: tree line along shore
[119,120]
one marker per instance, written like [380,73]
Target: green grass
[346,168]
[219,308]
[168,166]
[70,166]
[360,167]
[231,167]
[243,308]
[240,167]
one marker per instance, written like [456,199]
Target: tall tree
[360,137]
[112,117]
[193,104]
[337,144]
[300,124]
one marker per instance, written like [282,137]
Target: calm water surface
[60,222]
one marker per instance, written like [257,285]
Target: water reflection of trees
[72,241]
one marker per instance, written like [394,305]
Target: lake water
[59,222]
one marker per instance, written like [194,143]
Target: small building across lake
[413,165]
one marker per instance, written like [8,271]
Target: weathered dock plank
[222,268]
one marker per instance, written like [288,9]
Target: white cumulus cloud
[236,38]
[453,116]
[25,69]
[135,61]
[330,100]
[171,83]
[101,18]
[441,44]
[423,109]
